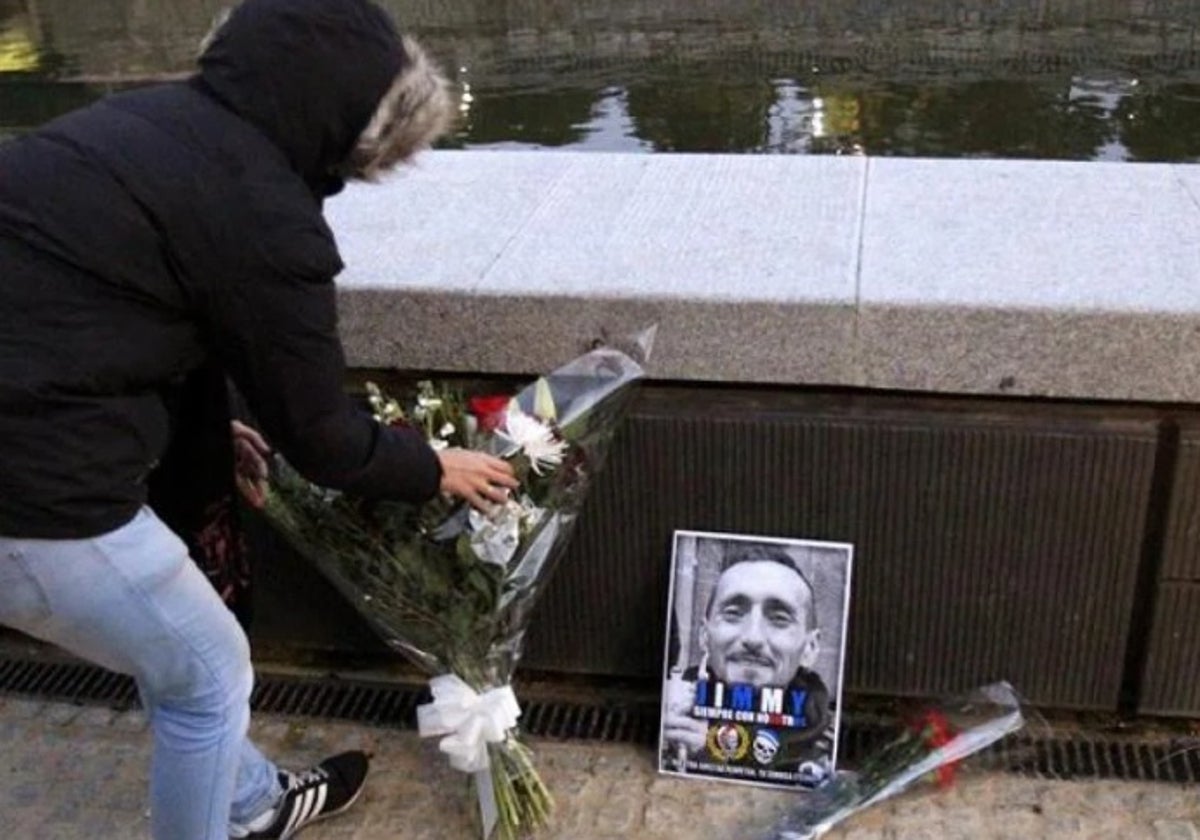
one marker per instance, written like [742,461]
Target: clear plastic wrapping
[931,745]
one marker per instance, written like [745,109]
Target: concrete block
[1035,278]
[752,342]
[736,228]
[1134,356]
[1030,235]
[440,223]
[746,263]
[1059,279]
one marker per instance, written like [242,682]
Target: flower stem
[523,803]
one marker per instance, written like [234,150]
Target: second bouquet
[452,588]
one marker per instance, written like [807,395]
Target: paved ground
[68,773]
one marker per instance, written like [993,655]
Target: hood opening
[309,74]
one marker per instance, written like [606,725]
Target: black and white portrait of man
[753,666]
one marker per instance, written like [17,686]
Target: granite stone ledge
[441,223]
[502,262]
[730,228]
[697,340]
[1041,278]
[1032,278]
[1043,353]
[1061,236]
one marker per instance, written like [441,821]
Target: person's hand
[679,727]
[482,480]
[250,453]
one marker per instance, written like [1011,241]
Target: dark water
[1075,79]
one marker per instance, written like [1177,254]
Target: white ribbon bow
[469,720]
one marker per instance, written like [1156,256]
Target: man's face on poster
[757,630]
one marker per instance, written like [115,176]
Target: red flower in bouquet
[488,411]
[937,732]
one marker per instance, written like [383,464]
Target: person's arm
[278,338]
[281,346]
[273,320]
[478,478]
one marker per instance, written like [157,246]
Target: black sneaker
[327,789]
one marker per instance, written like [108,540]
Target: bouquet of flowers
[451,587]
[932,744]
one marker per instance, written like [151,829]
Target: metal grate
[66,682]
[332,698]
[1085,755]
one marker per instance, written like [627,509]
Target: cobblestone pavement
[70,772]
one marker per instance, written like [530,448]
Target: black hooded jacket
[179,226]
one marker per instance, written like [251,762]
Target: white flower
[527,434]
[437,444]
[384,409]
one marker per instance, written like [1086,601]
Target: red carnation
[488,411]
[937,732]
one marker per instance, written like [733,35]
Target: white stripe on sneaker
[321,791]
[299,813]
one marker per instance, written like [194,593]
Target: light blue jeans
[133,601]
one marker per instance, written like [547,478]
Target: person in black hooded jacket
[174,235]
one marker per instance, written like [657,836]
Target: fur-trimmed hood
[309,74]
